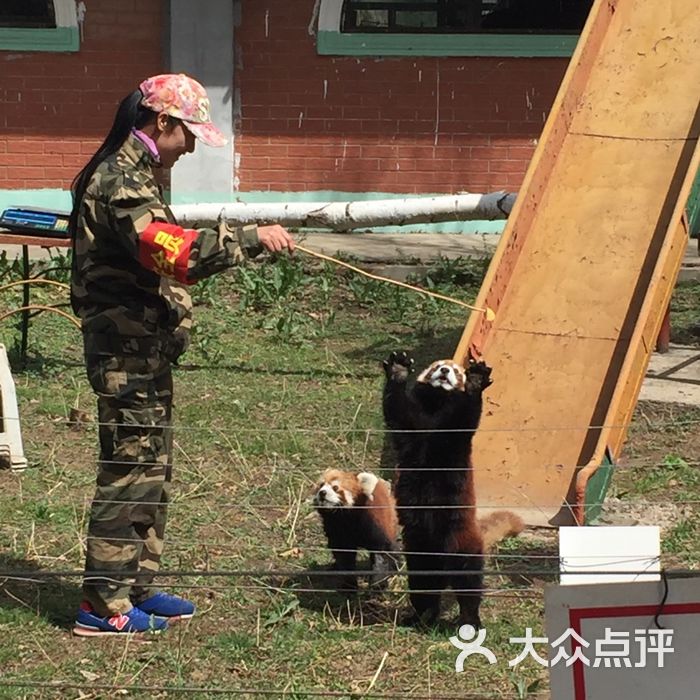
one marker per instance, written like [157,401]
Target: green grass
[282,380]
[672,472]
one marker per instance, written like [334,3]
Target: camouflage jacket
[132,262]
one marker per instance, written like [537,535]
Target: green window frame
[332,41]
[65,36]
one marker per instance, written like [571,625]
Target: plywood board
[588,259]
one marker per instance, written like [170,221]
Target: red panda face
[332,495]
[444,374]
[339,489]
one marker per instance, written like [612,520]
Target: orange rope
[41,307]
[39,280]
[490,315]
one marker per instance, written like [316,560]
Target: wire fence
[516,504]
[512,576]
[259,692]
[684,422]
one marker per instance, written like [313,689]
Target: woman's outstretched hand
[275,238]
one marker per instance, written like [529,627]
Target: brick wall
[56,108]
[413,125]
[305,122]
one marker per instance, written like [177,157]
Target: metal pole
[25,303]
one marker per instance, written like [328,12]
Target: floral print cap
[184,98]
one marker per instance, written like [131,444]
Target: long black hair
[131,114]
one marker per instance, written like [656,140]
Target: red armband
[165,249]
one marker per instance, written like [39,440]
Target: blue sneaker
[169,606]
[89,624]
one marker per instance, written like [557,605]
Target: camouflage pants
[127,518]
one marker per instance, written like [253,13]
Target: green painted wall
[50,199]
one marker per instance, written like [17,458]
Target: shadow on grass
[423,350]
[38,363]
[525,564]
[369,607]
[316,589]
[22,587]
[312,372]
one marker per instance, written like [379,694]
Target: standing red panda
[432,426]
[358,511]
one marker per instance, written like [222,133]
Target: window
[27,13]
[450,27]
[40,25]
[465,16]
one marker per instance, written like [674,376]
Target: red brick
[301,151]
[72,147]
[405,164]
[255,163]
[62,184]
[477,166]
[531,129]
[362,112]
[507,166]
[13,159]
[411,150]
[270,150]
[433,164]
[489,152]
[14,146]
[89,147]
[513,181]
[28,173]
[12,82]
[75,162]
[325,164]
[505,139]
[59,173]
[380,151]
[521,152]
[260,111]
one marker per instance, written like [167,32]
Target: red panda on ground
[432,427]
[358,511]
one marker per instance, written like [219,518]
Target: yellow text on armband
[169,242]
[162,264]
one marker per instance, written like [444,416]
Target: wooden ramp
[587,262]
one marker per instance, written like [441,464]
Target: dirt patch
[617,511]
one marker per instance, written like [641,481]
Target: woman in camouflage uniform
[131,267]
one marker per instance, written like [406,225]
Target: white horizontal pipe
[343,216]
